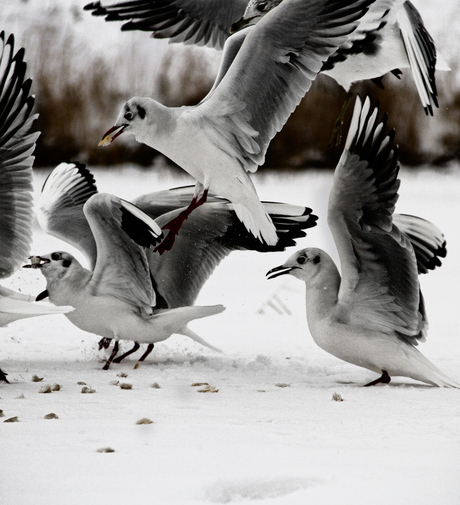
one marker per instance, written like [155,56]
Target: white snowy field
[252,441]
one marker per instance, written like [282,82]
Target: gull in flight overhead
[17,144]
[176,277]
[374,315]
[200,22]
[265,72]
[391,35]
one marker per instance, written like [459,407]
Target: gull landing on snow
[265,72]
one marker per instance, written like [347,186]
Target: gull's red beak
[112,134]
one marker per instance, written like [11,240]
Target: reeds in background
[80,83]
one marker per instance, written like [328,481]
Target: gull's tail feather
[191,334]
[423,370]
[176,320]
[258,222]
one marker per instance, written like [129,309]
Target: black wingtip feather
[138,230]
[288,229]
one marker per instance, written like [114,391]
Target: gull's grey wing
[16,147]
[60,207]
[15,306]
[367,38]
[122,232]
[68,187]
[379,268]
[427,240]
[208,235]
[274,68]
[160,202]
[201,22]
[421,53]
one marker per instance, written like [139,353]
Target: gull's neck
[66,290]
[321,294]
[160,125]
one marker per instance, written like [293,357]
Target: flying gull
[201,22]
[173,279]
[17,144]
[391,35]
[265,72]
[374,315]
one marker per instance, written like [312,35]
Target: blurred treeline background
[84,69]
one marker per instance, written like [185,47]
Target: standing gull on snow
[16,206]
[265,72]
[208,236]
[374,315]
[117,298]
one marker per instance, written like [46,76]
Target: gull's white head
[255,11]
[306,265]
[132,118]
[54,266]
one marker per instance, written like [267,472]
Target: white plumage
[114,236]
[265,72]
[373,315]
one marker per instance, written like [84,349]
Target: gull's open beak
[238,25]
[277,271]
[112,134]
[36,262]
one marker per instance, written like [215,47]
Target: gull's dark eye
[55,256]
[66,263]
[262,6]
[128,115]
[301,260]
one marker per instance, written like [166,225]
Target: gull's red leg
[127,353]
[383,379]
[175,224]
[114,353]
[147,352]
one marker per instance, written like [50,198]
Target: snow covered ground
[272,433]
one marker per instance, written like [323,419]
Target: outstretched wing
[209,234]
[60,207]
[271,72]
[427,240]
[201,22]
[16,147]
[421,53]
[379,267]
[122,232]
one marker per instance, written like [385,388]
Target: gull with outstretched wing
[176,277]
[17,144]
[373,314]
[265,72]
